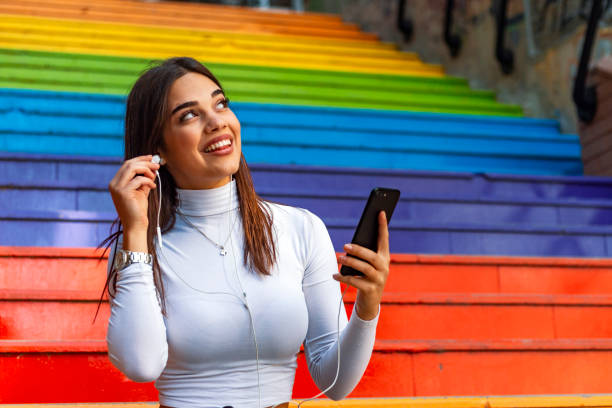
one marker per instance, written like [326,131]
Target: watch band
[124,258]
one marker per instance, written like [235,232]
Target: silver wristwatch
[124,258]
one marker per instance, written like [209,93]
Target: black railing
[504,55]
[453,41]
[585,97]
[404,24]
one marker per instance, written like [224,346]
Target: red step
[78,269]
[397,368]
[25,314]
[540,322]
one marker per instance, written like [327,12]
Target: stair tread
[405,345]
[402,298]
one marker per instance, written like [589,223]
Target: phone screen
[366,233]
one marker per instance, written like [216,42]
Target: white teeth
[225,142]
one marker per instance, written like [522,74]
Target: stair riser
[172,21]
[318,156]
[403,238]
[72,320]
[110,110]
[92,377]
[52,320]
[350,207]
[86,274]
[95,172]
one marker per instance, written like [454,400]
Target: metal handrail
[585,97]
[504,55]
[453,41]
[404,24]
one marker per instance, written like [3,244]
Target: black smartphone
[366,233]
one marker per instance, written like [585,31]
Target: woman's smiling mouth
[220,146]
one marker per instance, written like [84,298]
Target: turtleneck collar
[208,201]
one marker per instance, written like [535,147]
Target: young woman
[215,307]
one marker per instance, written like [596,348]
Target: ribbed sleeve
[323,296]
[136,335]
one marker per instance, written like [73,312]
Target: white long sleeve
[136,335]
[203,354]
[357,337]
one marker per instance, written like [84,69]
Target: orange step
[245,20]
[25,314]
[396,369]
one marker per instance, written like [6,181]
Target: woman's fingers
[130,188]
[355,281]
[370,272]
[131,169]
[383,235]
[363,253]
[140,181]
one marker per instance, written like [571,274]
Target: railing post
[453,41]
[404,25]
[585,97]
[297,5]
[504,55]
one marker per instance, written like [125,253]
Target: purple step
[87,229]
[423,206]
[64,201]
[95,172]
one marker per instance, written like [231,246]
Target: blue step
[498,214]
[85,124]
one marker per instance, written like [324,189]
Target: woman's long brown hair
[146,109]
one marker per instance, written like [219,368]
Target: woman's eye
[184,117]
[223,102]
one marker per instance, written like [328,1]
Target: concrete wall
[542,84]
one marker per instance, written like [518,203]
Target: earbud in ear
[157,159]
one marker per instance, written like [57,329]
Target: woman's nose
[215,121]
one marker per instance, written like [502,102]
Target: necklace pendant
[223,252]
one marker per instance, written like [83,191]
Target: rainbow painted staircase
[498,284]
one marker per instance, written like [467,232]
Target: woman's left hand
[375,266]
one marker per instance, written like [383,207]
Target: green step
[115,75]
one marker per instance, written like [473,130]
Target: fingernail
[342,258]
[348,246]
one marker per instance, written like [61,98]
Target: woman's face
[201,135]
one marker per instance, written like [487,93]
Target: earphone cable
[159,193]
[243,300]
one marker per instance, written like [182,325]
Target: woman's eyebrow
[191,103]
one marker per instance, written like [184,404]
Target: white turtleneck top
[203,353]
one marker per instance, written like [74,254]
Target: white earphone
[157,159]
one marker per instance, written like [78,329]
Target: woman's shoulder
[299,219]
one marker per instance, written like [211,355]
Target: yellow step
[104,39]
[200,38]
[150,14]
[518,401]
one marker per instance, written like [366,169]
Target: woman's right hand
[130,188]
